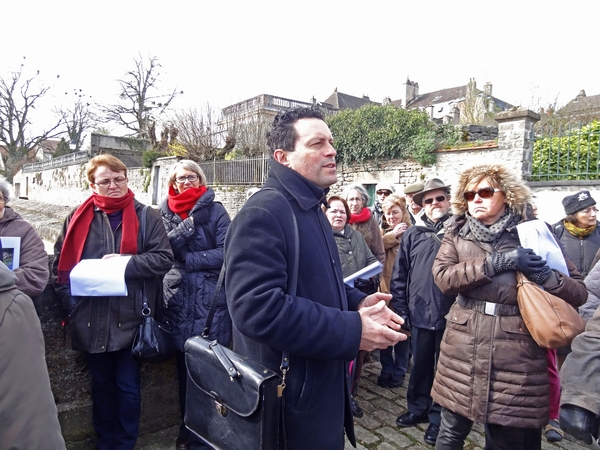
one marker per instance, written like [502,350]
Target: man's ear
[281,156]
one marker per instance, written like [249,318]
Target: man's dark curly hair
[282,133]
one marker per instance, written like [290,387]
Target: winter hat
[577,202]
[384,185]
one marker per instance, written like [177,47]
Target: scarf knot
[362,216]
[79,226]
[183,202]
[577,231]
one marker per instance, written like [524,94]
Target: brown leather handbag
[551,321]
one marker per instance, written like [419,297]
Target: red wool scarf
[362,216]
[81,221]
[181,204]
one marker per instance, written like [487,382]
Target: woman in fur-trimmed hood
[516,193]
[490,369]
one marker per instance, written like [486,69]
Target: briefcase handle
[224,360]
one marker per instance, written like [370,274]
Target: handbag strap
[145,309]
[291,290]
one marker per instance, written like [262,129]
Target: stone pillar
[516,134]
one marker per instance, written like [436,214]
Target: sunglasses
[383,192]
[486,192]
[439,199]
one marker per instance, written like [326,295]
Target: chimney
[412,91]
[487,89]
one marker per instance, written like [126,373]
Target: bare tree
[478,108]
[199,132]
[250,134]
[140,104]
[19,96]
[78,119]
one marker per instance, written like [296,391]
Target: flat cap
[413,188]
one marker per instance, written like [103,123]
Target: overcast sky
[221,52]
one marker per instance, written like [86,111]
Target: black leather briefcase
[232,402]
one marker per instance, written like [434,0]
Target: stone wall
[71,385]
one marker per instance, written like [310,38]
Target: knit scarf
[81,221]
[491,234]
[579,232]
[362,216]
[182,203]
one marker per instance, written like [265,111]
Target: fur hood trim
[517,193]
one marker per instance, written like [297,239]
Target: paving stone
[365,436]
[394,436]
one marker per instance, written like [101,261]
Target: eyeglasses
[439,199]
[383,192]
[190,178]
[486,192]
[118,181]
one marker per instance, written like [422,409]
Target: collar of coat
[305,192]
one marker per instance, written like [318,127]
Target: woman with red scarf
[107,225]
[362,220]
[196,226]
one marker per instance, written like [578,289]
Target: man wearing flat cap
[420,302]
[413,208]
[578,231]
[382,190]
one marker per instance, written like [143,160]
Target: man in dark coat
[326,323]
[415,296]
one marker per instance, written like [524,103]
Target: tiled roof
[345,101]
[435,97]
[582,104]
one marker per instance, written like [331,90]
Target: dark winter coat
[353,250]
[413,291]
[108,324]
[581,251]
[318,326]
[490,369]
[190,285]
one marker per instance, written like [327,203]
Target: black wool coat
[319,326]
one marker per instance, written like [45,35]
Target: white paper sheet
[100,277]
[534,234]
[367,272]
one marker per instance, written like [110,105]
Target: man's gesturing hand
[380,325]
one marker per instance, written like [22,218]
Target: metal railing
[61,161]
[569,154]
[236,172]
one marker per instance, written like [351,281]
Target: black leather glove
[579,423]
[521,259]
[541,276]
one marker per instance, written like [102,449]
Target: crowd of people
[445,298]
